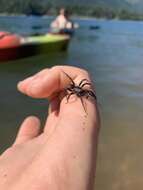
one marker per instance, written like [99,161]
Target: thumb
[48,82]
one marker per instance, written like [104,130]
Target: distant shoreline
[72,16]
[7,14]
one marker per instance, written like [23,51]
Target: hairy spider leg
[69,89]
[69,78]
[83,104]
[87,83]
[91,93]
[82,81]
[68,96]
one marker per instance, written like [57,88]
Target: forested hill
[117,4]
[132,5]
[122,9]
[109,3]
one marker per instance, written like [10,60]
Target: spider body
[79,90]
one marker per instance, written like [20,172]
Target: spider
[79,90]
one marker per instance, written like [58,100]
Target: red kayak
[14,47]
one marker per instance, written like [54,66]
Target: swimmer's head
[64,12]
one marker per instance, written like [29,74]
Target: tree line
[43,7]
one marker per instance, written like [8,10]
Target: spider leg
[87,83]
[82,81]
[92,94]
[68,96]
[69,89]
[83,104]
[69,78]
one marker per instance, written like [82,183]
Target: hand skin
[63,155]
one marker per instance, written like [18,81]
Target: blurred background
[108,42]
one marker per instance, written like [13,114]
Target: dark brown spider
[79,90]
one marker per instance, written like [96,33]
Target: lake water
[113,55]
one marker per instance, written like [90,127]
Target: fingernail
[19,83]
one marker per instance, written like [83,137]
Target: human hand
[63,155]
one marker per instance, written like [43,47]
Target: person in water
[62,23]
[62,155]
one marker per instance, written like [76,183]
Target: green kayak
[15,47]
